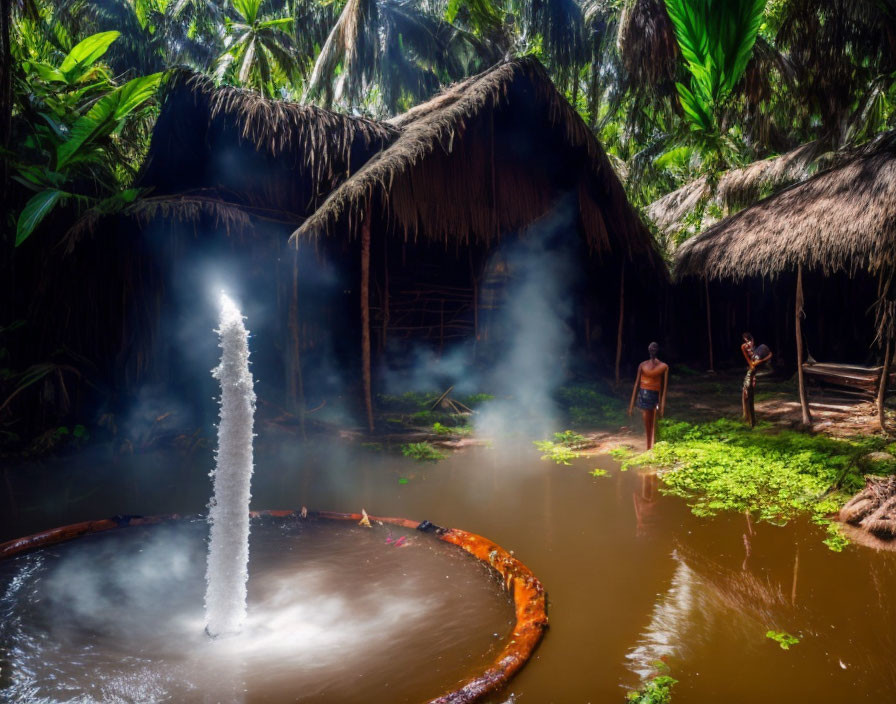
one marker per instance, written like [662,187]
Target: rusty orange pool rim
[529,600]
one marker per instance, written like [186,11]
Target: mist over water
[337,614]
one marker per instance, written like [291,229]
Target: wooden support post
[296,388]
[385,296]
[884,378]
[586,314]
[621,318]
[798,315]
[885,314]
[441,327]
[475,283]
[712,366]
[365,315]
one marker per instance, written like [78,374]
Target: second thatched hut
[838,227]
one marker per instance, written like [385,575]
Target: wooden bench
[849,378]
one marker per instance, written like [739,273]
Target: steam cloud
[527,351]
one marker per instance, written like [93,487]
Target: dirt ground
[703,397]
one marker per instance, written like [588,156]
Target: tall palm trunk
[7,233]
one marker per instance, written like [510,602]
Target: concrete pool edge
[529,598]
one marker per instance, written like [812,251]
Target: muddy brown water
[632,576]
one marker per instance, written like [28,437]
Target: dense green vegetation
[676,90]
[563,448]
[774,474]
[657,690]
[783,639]
[423,452]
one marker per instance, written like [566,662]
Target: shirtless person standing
[650,389]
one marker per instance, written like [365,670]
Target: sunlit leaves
[260,52]
[716,41]
[106,116]
[86,53]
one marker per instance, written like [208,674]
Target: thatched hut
[230,175]
[273,159]
[481,161]
[841,221]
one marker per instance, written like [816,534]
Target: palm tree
[397,47]
[155,34]
[259,51]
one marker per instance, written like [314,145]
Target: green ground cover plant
[657,690]
[462,430]
[423,452]
[562,449]
[782,638]
[776,475]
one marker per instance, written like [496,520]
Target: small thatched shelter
[482,160]
[841,220]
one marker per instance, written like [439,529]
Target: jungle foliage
[679,93]
[675,89]
[775,475]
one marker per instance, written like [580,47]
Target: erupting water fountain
[336,612]
[228,552]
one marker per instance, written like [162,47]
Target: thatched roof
[668,213]
[738,188]
[241,148]
[841,219]
[486,157]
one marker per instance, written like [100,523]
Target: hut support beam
[385,296]
[294,368]
[365,316]
[712,367]
[886,321]
[798,310]
[884,378]
[621,317]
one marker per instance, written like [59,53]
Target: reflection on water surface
[631,575]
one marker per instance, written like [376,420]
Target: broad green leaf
[248,9]
[699,116]
[36,210]
[44,71]
[135,92]
[86,52]
[104,117]
[39,176]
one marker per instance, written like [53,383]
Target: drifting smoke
[535,337]
[524,352]
[521,357]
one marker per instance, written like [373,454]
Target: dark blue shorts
[648,400]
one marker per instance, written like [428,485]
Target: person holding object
[651,383]
[755,357]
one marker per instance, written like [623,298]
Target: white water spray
[228,555]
